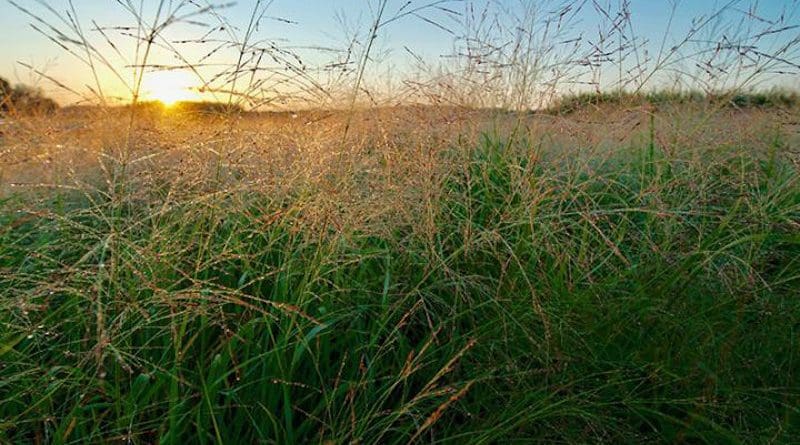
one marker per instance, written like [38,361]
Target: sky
[320,23]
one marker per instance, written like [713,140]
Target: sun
[169,87]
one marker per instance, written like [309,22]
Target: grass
[621,269]
[634,298]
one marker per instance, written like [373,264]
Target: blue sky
[326,23]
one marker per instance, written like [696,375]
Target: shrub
[24,99]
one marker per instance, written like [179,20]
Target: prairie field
[503,262]
[447,275]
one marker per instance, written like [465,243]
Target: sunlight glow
[170,87]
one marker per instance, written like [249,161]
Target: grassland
[540,280]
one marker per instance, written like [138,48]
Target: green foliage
[634,300]
[761,99]
[212,108]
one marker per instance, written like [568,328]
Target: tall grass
[634,298]
[434,273]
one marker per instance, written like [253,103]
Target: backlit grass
[635,298]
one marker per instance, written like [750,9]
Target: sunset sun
[169,87]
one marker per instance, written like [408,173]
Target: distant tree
[24,99]
[5,91]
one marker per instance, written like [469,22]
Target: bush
[763,99]
[24,99]
[206,108]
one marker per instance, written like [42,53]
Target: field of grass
[466,221]
[496,285]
